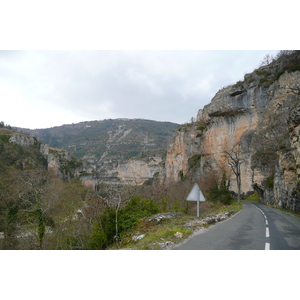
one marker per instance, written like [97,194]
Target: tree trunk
[239,189]
[117,229]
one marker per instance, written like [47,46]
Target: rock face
[22,140]
[262,116]
[137,171]
[57,160]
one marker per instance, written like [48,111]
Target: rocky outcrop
[22,140]
[61,164]
[260,114]
[162,216]
[137,171]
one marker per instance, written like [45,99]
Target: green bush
[5,138]
[201,127]
[221,195]
[220,192]
[104,231]
[98,239]
[270,181]
[135,210]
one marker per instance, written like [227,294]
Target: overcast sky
[42,89]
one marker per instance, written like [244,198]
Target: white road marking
[267,245]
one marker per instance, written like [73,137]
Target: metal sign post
[196,195]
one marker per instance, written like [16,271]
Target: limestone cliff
[262,115]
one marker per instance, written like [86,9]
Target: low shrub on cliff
[192,161]
[269,182]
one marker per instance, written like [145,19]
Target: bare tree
[267,60]
[234,161]
[282,53]
[115,195]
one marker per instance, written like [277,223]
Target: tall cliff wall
[262,115]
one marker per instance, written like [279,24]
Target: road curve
[255,227]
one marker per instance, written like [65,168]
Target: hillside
[19,151]
[256,121]
[116,150]
[38,192]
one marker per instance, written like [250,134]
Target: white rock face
[22,140]
[135,171]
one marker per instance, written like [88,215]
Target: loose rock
[178,234]
[136,238]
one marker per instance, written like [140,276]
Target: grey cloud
[90,85]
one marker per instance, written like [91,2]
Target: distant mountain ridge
[110,138]
[107,144]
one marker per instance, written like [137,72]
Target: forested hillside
[117,139]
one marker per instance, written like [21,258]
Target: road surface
[255,227]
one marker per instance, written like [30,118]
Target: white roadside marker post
[196,195]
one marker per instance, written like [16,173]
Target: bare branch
[234,161]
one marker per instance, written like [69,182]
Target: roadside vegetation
[124,223]
[161,234]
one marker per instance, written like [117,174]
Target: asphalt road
[255,227]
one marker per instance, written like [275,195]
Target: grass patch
[5,138]
[253,198]
[288,211]
[156,234]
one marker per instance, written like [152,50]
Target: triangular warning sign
[195,194]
